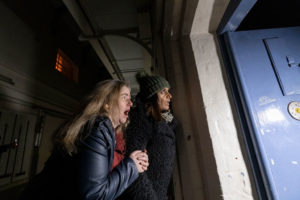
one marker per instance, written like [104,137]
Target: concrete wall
[231,161]
[30,40]
[26,61]
[29,84]
[26,51]
[231,164]
[194,152]
[212,163]
[51,123]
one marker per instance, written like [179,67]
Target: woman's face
[124,104]
[164,98]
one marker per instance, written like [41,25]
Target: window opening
[66,66]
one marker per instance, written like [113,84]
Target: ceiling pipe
[103,33]
[86,28]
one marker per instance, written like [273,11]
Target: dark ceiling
[54,27]
[272,14]
[47,17]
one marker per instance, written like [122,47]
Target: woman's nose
[130,103]
[169,95]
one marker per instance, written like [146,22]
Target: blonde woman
[80,165]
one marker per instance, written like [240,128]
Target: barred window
[66,66]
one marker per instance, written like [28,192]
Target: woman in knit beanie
[151,129]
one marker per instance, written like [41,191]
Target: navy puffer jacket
[87,174]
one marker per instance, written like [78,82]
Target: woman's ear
[106,106]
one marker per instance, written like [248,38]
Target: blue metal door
[266,65]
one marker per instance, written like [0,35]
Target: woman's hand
[140,159]
[143,158]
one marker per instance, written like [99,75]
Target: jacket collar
[103,119]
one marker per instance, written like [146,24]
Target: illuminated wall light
[66,66]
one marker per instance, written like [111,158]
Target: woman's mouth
[126,113]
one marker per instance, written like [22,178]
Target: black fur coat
[158,138]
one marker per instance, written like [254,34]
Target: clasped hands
[140,159]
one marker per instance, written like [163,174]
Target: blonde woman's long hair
[105,93]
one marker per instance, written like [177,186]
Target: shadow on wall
[201,134]
[217,14]
[237,121]
[27,56]
[197,168]
[13,193]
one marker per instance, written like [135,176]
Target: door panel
[285,61]
[266,67]
[16,145]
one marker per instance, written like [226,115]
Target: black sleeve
[94,179]
[173,123]
[142,189]
[138,134]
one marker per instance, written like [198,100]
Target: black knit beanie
[150,84]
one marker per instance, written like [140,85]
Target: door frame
[232,18]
